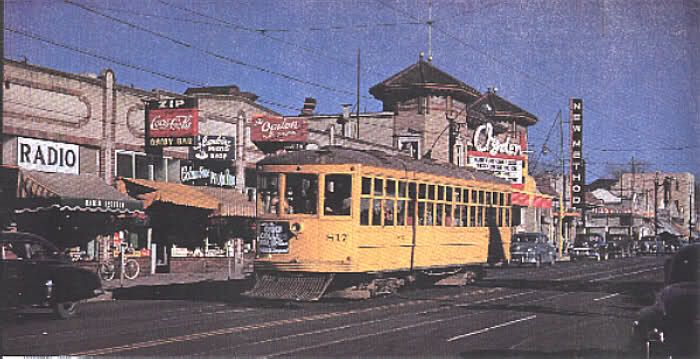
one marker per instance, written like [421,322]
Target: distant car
[619,245]
[34,274]
[672,245]
[532,248]
[646,245]
[670,326]
[589,245]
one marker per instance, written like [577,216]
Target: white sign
[509,169]
[48,156]
[492,144]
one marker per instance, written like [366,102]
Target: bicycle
[108,269]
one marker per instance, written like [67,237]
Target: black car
[619,245]
[646,245]
[35,275]
[589,245]
[532,248]
[670,326]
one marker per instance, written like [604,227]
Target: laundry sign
[48,156]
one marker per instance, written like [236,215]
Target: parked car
[646,245]
[532,248]
[589,245]
[619,245]
[34,274]
[669,327]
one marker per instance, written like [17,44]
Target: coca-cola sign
[266,128]
[171,122]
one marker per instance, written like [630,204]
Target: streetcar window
[479,216]
[411,213]
[441,193]
[402,189]
[438,214]
[472,216]
[464,213]
[500,217]
[366,185]
[431,191]
[364,211]
[400,212]
[429,215]
[412,190]
[301,193]
[421,190]
[388,212]
[501,199]
[507,199]
[376,212]
[481,197]
[390,188]
[474,196]
[449,222]
[378,187]
[465,196]
[458,195]
[488,198]
[448,194]
[268,193]
[421,213]
[507,220]
[337,195]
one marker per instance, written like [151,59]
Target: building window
[410,147]
[459,155]
[131,164]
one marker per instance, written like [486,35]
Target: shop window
[301,193]
[337,195]
[364,211]
[268,193]
[140,165]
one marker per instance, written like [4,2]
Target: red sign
[264,128]
[172,122]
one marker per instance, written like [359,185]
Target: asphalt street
[582,309]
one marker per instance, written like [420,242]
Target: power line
[129,65]
[209,52]
[496,59]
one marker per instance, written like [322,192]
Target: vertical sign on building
[578,172]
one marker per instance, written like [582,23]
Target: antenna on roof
[430,31]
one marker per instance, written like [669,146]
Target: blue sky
[635,63]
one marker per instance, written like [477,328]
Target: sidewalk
[161,279]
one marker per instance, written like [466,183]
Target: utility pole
[562,197]
[357,113]
[690,214]
[656,204]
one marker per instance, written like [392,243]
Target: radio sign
[273,237]
[48,156]
[578,170]
[171,122]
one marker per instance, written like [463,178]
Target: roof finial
[421,55]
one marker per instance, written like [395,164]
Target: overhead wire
[209,52]
[497,60]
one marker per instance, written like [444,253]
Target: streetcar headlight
[295,228]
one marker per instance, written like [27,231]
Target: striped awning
[40,191]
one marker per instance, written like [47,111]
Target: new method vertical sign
[578,172]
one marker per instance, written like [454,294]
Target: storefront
[193,228]
[81,214]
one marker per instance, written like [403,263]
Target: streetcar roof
[333,155]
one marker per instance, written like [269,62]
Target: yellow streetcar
[339,218]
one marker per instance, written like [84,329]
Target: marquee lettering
[492,144]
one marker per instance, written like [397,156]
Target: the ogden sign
[578,171]
[48,156]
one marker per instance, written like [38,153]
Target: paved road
[581,308]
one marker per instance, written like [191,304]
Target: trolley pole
[656,204]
